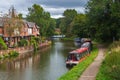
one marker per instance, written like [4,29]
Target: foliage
[34,43]
[20,16]
[42,19]
[2,44]
[76,71]
[14,27]
[22,42]
[11,54]
[68,39]
[65,24]
[110,68]
[79,26]
[58,21]
[51,28]
[103,18]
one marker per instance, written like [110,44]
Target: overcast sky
[55,7]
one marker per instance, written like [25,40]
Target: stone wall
[22,50]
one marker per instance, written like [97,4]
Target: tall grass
[75,72]
[110,68]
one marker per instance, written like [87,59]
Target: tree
[51,28]
[20,16]
[79,26]
[40,17]
[13,28]
[65,24]
[103,17]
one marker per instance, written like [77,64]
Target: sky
[55,7]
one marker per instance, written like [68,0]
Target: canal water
[46,64]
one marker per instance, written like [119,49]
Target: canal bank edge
[22,50]
[76,72]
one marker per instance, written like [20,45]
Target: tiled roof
[31,24]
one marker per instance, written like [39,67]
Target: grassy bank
[75,72]
[68,39]
[110,68]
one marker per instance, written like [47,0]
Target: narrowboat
[76,56]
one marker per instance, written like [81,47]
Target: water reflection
[46,64]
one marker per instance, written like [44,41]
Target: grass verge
[76,72]
[110,68]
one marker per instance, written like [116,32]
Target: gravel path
[92,70]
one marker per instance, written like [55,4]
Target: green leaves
[2,44]
[104,15]
[42,19]
[66,22]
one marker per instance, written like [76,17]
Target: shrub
[37,39]
[13,54]
[34,43]
[1,57]
[2,44]
[22,42]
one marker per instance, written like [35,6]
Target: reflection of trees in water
[23,61]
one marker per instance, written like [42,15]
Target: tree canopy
[41,18]
[103,19]
[65,24]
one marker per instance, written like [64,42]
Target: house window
[29,31]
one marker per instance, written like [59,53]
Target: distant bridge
[58,36]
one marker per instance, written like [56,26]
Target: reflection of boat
[78,55]
[77,42]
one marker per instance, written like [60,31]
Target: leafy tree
[41,18]
[20,16]
[62,26]
[58,22]
[103,17]
[13,28]
[79,26]
[65,24]
[51,28]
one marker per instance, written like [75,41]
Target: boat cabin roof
[86,44]
[78,51]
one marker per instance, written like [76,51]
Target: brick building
[13,29]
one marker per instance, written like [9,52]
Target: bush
[22,42]
[2,44]
[34,43]
[11,54]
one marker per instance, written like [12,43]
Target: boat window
[78,56]
[69,57]
[74,58]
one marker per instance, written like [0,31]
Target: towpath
[92,70]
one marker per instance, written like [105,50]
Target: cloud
[58,11]
[55,7]
[57,16]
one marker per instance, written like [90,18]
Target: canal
[46,64]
